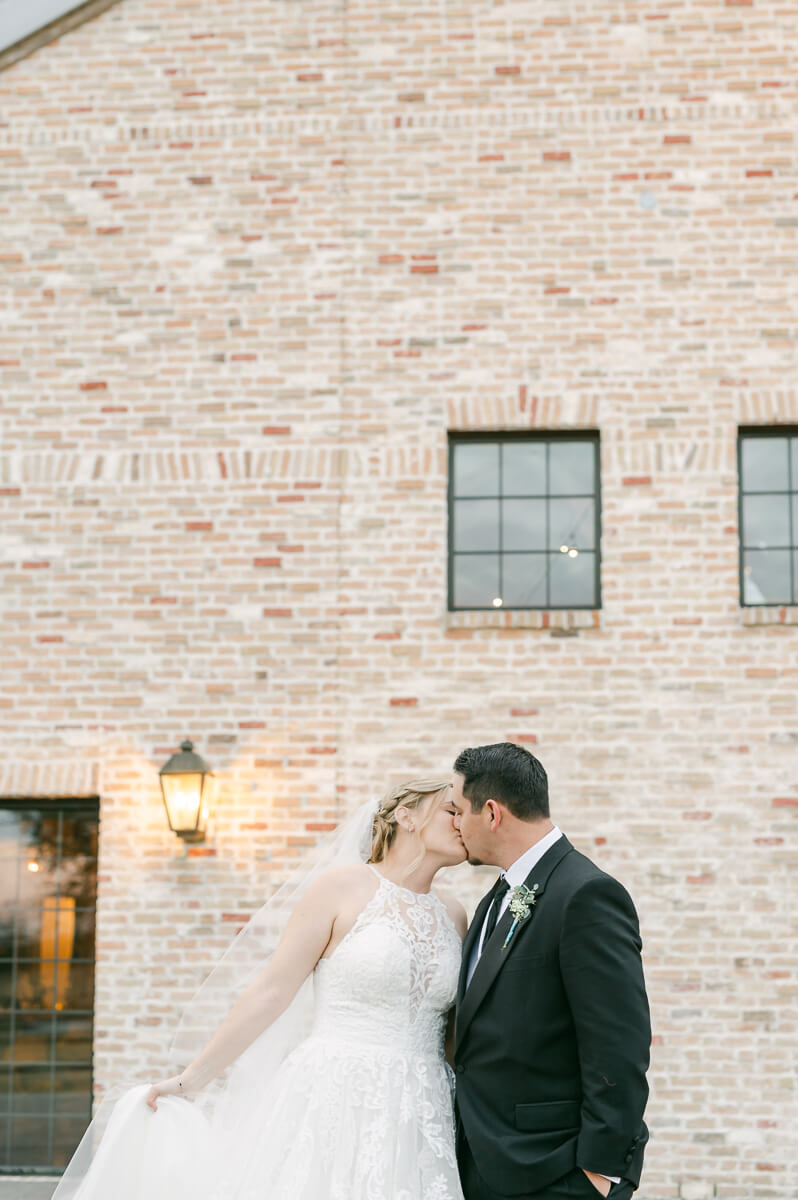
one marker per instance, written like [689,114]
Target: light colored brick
[255,262]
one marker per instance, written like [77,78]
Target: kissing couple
[315,1055]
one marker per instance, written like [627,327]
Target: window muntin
[524,521]
[768,473]
[48,879]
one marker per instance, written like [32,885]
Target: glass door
[48,886]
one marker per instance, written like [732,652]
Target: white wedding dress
[361,1109]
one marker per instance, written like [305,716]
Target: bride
[359,1105]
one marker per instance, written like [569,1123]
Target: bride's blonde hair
[406,795]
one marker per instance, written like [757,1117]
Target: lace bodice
[389,984]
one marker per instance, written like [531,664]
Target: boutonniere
[522,901]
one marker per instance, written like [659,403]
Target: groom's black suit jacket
[552,1034]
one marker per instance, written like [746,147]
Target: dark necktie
[493,911]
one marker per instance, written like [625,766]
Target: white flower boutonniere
[522,901]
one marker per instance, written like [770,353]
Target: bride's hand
[167,1087]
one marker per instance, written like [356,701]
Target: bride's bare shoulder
[346,878]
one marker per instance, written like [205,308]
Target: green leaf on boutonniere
[522,901]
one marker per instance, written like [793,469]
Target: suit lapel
[493,957]
[472,937]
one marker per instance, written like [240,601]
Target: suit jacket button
[459,1068]
[628,1157]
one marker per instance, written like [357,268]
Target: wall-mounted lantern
[187,785]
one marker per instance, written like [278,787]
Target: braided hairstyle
[407,795]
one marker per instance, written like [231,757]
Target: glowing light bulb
[33,866]
[573,552]
[497,602]
[563,548]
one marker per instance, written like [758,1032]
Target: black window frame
[747,433]
[55,805]
[501,437]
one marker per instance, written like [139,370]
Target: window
[768,466]
[48,858]
[524,521]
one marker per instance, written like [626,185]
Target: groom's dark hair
[507,773]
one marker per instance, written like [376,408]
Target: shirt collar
[517,873]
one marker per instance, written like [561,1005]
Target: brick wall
[256,259]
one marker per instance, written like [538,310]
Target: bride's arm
[304,940]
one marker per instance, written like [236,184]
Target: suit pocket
[557,1116]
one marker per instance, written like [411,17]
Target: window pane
[52,984]
[524,525]
[32,1089]
[77,878]
[476,580]
[73,1091]
[524,580]
[572,523]
[49,867]
[794,445]
[30,1142]
[84,933]
[571,468]
[476,525]
[766,521]
[7,935]
[28,825]
[476,469]
[766,577]
[78,835]
[524,469]
[795,576]
[6,978]
[75,983]
[573,580]
[9,826]
[67,1132]
[764,464]
[33,1038]
[73,1039]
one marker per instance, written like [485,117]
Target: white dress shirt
[515,875]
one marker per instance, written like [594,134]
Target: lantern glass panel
[183,797]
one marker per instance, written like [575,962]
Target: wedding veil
[191,1142]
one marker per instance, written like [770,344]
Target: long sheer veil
[189,1142]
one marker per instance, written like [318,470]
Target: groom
[552,1032]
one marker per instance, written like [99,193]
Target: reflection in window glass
[524,468]
[47,897]
[524,583]
[476,469]
[571,579]
[476,580]
[476,525]
[766,577]
[764,462]
[768,517]
[766,520]
[572,523]
[571,468]
[524,522]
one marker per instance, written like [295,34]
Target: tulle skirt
[336,1122]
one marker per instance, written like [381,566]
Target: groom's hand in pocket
[600,1182]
